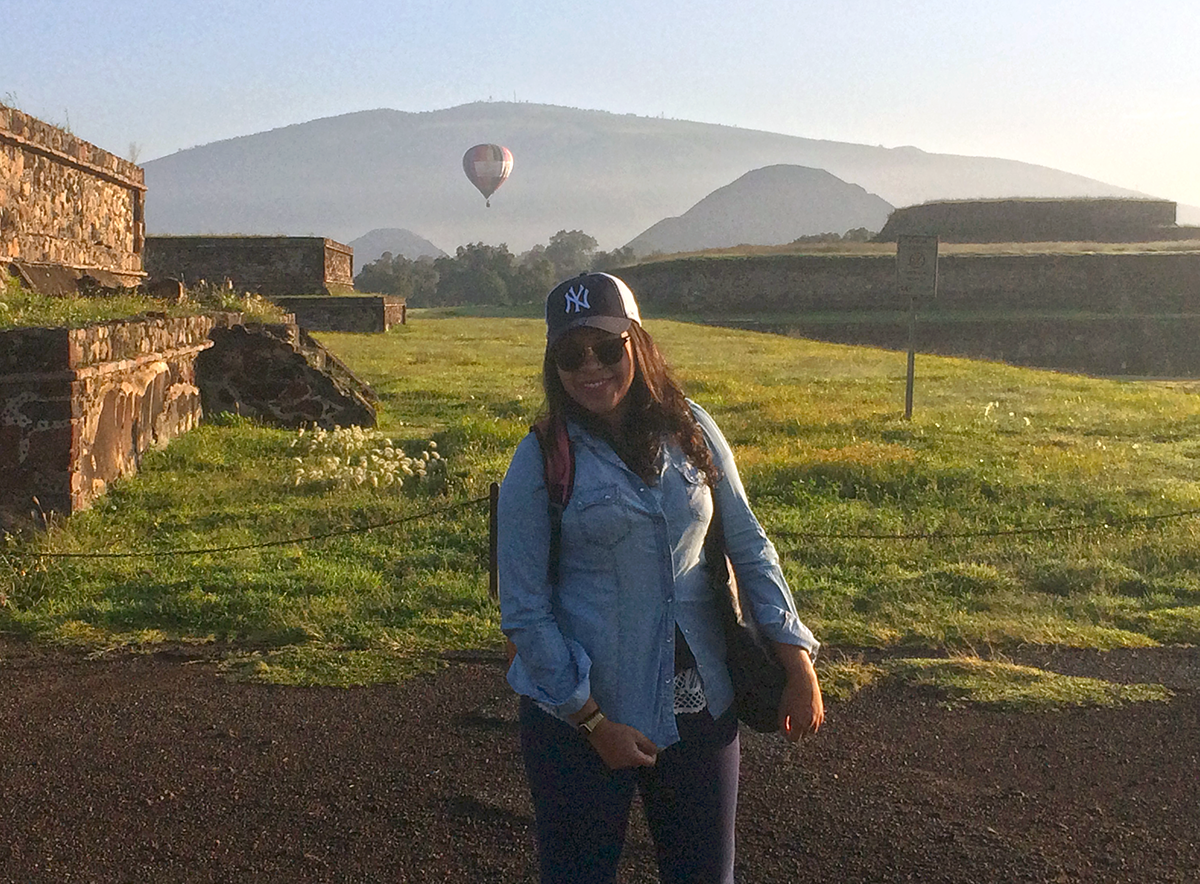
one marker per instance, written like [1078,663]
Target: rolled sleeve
[549,667]
[755,561]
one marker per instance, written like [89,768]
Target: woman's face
[599,388]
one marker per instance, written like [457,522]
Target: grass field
[20,307]
[942,536]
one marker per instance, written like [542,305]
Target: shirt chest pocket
[603,518]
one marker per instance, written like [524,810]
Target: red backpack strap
[558,463]
[558,466]
[558,458]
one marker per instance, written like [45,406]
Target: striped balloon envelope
[487,165]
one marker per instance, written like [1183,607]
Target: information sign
[916,266]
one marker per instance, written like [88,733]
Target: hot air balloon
[487,165]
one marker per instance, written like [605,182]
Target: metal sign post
[916,277]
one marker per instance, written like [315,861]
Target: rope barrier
[999,532]
[166,553]
[779,533]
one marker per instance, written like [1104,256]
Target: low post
[493,570]
[916,275]
[912,358]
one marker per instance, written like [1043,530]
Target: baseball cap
[595,300]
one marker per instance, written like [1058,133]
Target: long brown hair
[657,408]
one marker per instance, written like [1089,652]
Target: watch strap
[590,723]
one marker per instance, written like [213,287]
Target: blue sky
[1106,89]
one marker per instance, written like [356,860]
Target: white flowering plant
[351,457]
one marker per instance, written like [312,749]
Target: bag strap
[720,578]
[720,569]
[558,466]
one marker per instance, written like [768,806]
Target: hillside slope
[610,175]
[769,206]
[399,242]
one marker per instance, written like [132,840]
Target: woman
[619,648]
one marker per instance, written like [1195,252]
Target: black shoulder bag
[757,675]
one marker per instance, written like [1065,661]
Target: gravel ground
[136,768]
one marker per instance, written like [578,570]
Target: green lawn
[22,308]
[824,453]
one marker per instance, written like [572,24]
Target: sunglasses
[570,355]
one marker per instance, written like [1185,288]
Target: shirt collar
[577,433]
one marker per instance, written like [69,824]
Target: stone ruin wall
[1039,220]
[279,374]
[791,284]
[339,267]
[268,265]
[1122,314]
[346,313]
[66,202]
[79,407]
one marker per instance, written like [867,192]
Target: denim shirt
[631,567]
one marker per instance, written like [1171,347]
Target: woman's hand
[801,709]
[621,746]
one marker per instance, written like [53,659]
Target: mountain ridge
[611,175]
[400,242]
[770,206]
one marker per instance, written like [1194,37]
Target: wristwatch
[590,723]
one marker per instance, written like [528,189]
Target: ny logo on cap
[578,300]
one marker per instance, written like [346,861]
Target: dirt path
[154,768]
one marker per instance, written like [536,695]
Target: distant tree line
[483,274]
[855,234]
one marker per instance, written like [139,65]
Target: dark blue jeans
[582,807]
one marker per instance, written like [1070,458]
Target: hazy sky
[1101,88]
